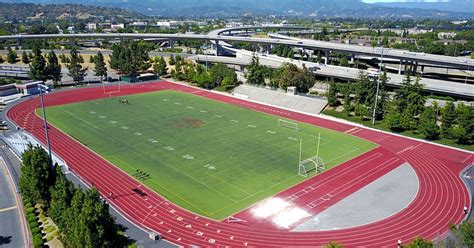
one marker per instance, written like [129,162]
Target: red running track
[439,202]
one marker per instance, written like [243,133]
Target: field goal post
[288,124]
[313,164]
[111,91]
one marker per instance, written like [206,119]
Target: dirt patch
[189,122]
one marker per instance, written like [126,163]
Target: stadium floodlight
[44,89]
[288,124]
[382,51]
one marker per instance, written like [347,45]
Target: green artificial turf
[212,158]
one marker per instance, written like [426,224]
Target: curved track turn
[439,202]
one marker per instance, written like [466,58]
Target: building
[446,35]
[29,88]
[117,26]
[91,26]
[166,24]
[7,90]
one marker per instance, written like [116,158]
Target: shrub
[33,224]
[36,230]
[30,210]
[38,241]
[31,219]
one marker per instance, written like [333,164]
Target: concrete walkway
[380,199]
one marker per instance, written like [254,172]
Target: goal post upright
[112,91]
[311,164]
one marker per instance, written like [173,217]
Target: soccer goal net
[288,124]
[311,166]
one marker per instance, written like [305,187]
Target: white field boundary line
[19,203]
[327,117]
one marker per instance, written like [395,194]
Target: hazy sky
[391,1]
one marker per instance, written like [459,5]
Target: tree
[319,58]
[38,66]
[100,68]
[255,73]
[88,222]
[36,175]
[24,58]
[346,91]
[394,119]
[172,61]
[344,62]
[448,120]
[159,67]
[75,69]
[428,125]
[419,242]
[129,59]
[11,56]
[465,233]
[221,75]
[61,196]
[332,94]
[465,122]
[53,68]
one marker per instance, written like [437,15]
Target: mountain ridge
[232,8]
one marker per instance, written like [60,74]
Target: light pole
[43,88]
[382,52]
[468,68]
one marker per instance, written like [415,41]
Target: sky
[398,1]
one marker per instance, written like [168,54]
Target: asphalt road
[12,232]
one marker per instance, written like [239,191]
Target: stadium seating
[310,105]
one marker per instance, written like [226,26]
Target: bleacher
[306,104]
[18,142]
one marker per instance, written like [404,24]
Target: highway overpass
[401,55]
[344,73]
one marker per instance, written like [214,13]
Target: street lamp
[382,50]
[42,88]
[468,67]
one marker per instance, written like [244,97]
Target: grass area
[383,126]
[212,158]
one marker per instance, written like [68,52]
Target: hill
[294,8]
[24,11]
[453,5]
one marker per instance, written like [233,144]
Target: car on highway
[300,43]
[373,72]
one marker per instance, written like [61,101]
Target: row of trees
[45,67]
[218,76]
[405,110]
[81,216]
[48,67]
[130,58]
[283,77]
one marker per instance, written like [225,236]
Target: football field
[209,157]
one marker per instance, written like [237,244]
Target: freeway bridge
[403,56]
